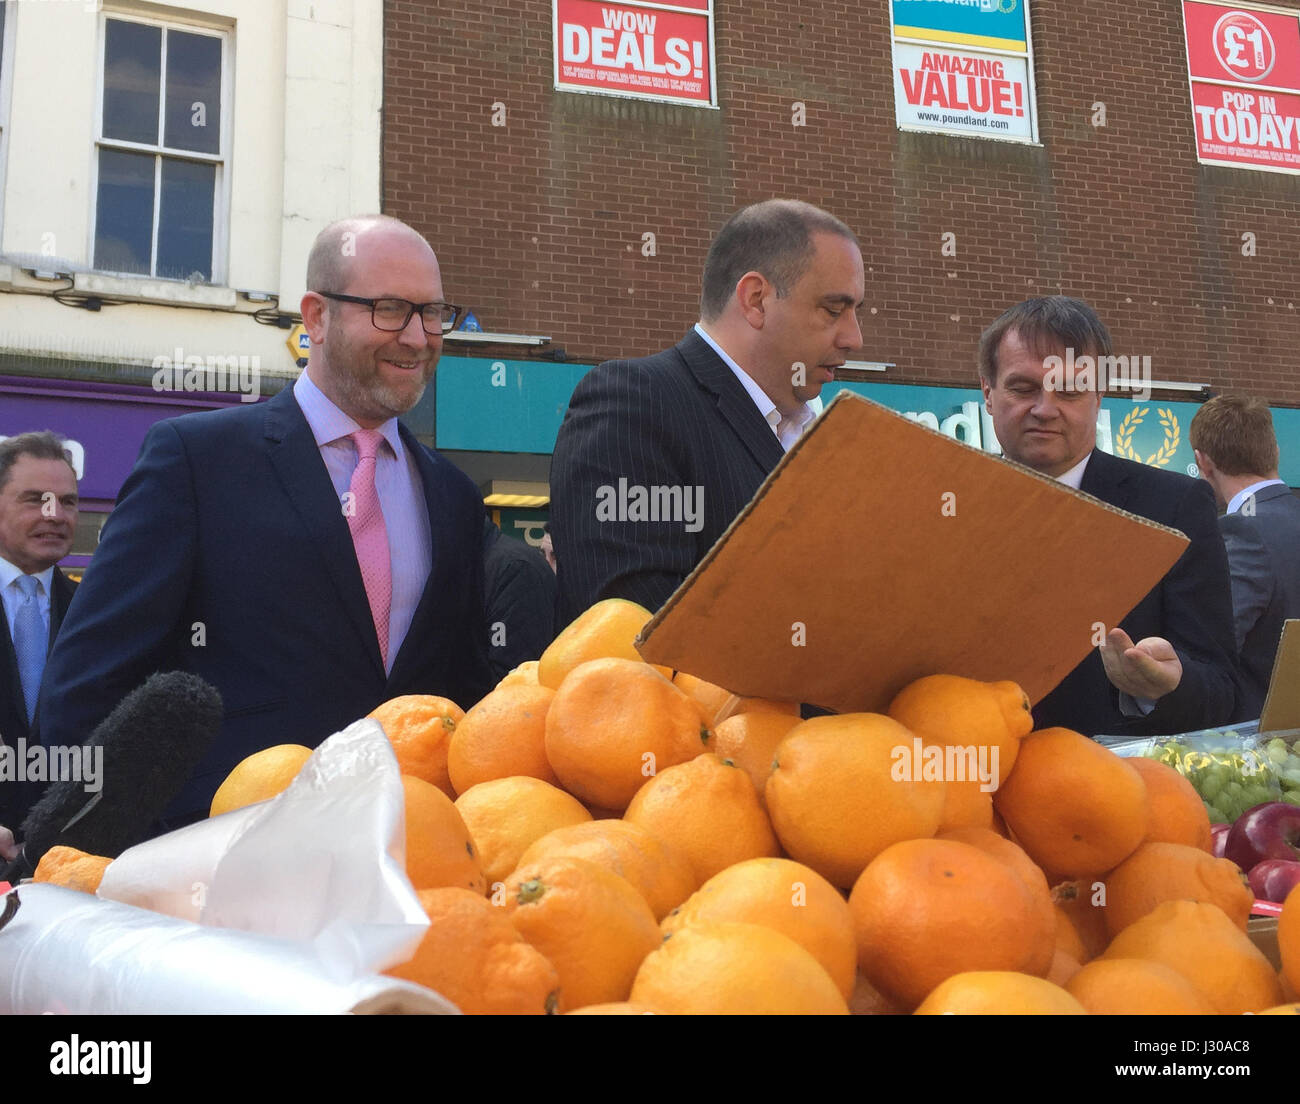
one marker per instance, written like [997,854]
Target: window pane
[132,62]
[185,219]
[193,92]
[124,211]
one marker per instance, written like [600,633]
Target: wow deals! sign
[964,67]
[636,49]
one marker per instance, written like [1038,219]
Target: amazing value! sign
[964,67]
[1243,64]
[645,51]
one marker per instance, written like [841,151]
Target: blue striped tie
[30,642]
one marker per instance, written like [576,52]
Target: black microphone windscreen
[147,748]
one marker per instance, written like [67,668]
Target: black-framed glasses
[394,315]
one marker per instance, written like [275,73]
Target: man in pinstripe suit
[657,455]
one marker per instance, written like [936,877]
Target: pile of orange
[602,836]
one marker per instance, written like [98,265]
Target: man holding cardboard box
[657,456]
[1181,674]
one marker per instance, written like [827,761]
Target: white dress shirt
[1241,496]
[401,499]
[13,597]
[787,430]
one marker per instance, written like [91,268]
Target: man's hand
[8,849]
[1148,669]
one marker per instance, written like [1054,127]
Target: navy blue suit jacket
[678,419]
[1264,554]
[228,556]
[15,797]
[1191,607]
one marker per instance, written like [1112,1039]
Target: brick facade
[539,223]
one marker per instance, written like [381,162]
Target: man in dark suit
[38,519]
[657,456]
[1181,674]
[520,591]
[306,556]
[1236,452]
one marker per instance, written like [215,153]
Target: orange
[71,868]
[1077,808]
[1068,939]
[1281,1010]
[1159,872]
[750,741]
[786,897]
[613,724]
[502,736]
[999,993]
[419,726]
[725,968]
[613,1008]
[833,797]
[1198,940]
[1177,813]
[963,712]
[523,675]
[1064,967]
[659,872]
[439,849]
[593,926]
[706,695]
[1134,987]
[605,630]
[925,910]
[506,815]
[473,956]
[965,805]
[708,811]
[1288,939]
[1041,934]
[259,777]
[1082,904]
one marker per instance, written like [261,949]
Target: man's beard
[372,398]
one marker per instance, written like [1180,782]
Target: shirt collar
[766,407]
[9,572]
[330,424]
[1074,476]
[1246,492]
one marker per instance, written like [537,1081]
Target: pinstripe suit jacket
[678,419]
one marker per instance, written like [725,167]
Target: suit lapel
[433,503]
[1107,478]
[734,403]
[61,590]
[296,458]
[9,672]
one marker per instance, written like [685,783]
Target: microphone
[148,748]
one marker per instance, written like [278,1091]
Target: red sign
[643,50]
[1244,65]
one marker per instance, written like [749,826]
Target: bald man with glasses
[307,556]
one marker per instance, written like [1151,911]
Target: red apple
[1268,831]
[1273,879]
[1219,838]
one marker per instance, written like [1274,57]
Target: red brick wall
[538,223]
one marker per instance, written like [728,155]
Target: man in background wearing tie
[306,556]
[38,519]
[696,429]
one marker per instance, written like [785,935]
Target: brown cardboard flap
[880,551]
[1282,706]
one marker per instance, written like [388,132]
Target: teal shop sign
[996,24]
[517,406]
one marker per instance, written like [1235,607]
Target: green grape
[1292,798]
[1218,816]
[1277,751]
[1210,788]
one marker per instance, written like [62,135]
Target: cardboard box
[879,551]
[1282,703]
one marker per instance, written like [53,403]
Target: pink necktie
[370,535]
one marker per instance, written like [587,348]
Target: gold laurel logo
[1134,418]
